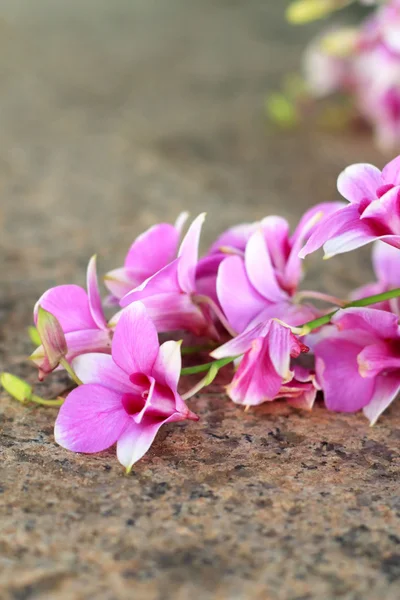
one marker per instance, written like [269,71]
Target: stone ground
[113,116]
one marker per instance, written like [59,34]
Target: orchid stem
[44,402]
[70,371]
[206,366]
[368,301]
[195,349]
[200,299]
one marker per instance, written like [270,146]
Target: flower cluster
[243,299]
[360,63]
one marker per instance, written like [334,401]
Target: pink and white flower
[81,316]
[126,397]
[260,283]
[373,212]
[150,252]
[171,295]
[358,363]
[264,372]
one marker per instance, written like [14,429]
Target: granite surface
[113,116]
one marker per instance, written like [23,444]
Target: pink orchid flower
[358,363]
[264,371]
[373,212]
[171,296]
[125,398]
[150,252]
[386,263]
[81,317]
[260,283]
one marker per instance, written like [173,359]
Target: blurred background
[116,115]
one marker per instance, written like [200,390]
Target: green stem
[325,319]
[70,371]
[201,368]
[44,402]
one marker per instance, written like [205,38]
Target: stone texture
[113,117]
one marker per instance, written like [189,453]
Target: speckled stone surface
[113,116]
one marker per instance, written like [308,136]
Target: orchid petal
[276,235]
[385,211]
[91,419]
[391,173]
[260,270]
[241,343]
[359,182]
[235,237]
[280,347]
[137,439]
[188,254]
[378,359]
[95,305]
[153,250]
[180,222]
[135,342]
[339,232]
[378,323]
[386,261]
[167,368]
[337,372]
[100,368]
[70,305]
[256,380]
[239,300]
[387,388]
[164,281]
[121,281]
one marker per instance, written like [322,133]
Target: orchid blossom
[358,361]
[126,397]
[80,316]
[171,296]
[150,252]
[373,212]
[261,282]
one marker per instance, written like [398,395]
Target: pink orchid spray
[126,397]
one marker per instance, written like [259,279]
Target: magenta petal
[386,261]
[137,439]
[377,323]
[239,300]
[100,368]
[70,305]
[359,182]
[167,368]
[120,282]
[260,270]
[235,237]
[241,343]
[378,358]
[153,250]
[135,342]
[188,254]
[337,373]
[391,173]
[95,305]
[385,211]
[275,232]
[256,380]
[162,282]
[339,232]
[387,389]
[91,419]
[280,339]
